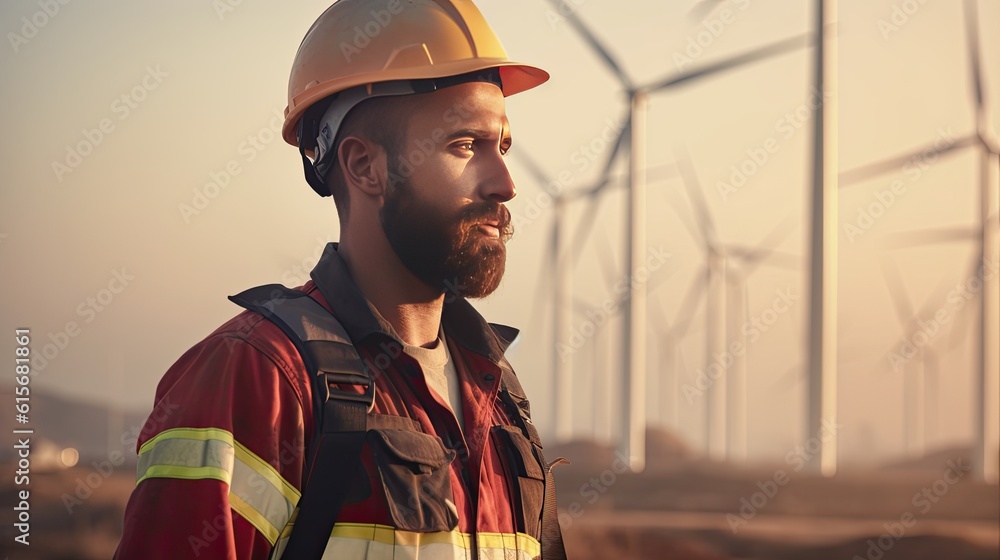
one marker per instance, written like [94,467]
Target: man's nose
[500,185]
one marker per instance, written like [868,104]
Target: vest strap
[342,415]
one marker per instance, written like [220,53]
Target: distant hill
[93,429]
[933,461]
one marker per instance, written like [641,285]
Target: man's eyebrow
[470,133]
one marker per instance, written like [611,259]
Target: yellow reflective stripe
[514,541]
[188,433]
[366,531]
[254,517]
[190,473]
[187,454]
[374,539]
[264,469]
[256,490]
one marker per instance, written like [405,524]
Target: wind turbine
[725,401]
[671,335]
[919,381]
[976,269]
[560,270]
[634,334]
[738,315]
[987,361]
[822,339]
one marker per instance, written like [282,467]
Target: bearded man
[369,413]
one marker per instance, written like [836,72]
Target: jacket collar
[462,322]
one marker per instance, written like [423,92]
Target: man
[369,413]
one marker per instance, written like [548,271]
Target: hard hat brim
[516,78]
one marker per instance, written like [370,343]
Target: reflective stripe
[256,490]
[350,541]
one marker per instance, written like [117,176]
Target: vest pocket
[414,471]
[526,478]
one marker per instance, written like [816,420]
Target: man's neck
[410,306]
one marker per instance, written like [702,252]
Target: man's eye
[465,146]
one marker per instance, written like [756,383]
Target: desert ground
[679,508]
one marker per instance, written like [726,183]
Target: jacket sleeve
[220,458]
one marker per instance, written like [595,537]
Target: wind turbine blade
[660,321]
[897,163]
[690,178]
[625,132]
[545,274]
[583,228]
[936,300]
[533,168]
[606,258]
[585,225]
[957,335]
[702,8]
[581,305]
[778,235]
[975,61]
[682,362]
[652,284]
[604,179]
[688,225]
[545,271]
[753,257]
[897,292]
[708,70]
[929,237]
[790,378]
[591,39]
[688,306]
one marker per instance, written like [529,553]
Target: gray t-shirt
[440,373]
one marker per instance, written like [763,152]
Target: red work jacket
[221,457]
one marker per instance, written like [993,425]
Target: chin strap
[313,178]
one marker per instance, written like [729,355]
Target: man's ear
[363,165]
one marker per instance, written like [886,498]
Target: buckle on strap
[366,398]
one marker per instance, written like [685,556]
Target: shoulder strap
[341,416]
[513,396]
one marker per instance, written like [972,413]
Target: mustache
[484,212]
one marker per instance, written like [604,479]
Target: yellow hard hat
[359,45]
[357,42]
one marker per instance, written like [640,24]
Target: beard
[447,250]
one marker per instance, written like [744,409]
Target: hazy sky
[185,89]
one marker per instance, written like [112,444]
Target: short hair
[383,120]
